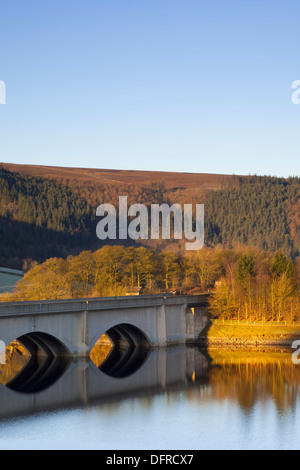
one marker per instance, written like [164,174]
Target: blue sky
[151,84]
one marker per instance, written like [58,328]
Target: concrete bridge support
[72,327]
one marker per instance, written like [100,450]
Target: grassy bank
[233,333]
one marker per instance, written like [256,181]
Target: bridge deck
[99,303]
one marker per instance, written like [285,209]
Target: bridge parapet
[78,323]
[99,303]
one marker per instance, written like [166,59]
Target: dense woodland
[258,287]
[248,283]
[42,218]
[257,211]
[250,259]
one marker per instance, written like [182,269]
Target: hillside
[260,211]
[50,211]
[172,180]
[101,185]
[40,218]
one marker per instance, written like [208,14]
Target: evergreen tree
[245,269]
[280,263]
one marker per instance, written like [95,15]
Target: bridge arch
[48,359]
[129,351]
[40,344]
[122,334]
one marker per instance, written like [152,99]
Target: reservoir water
[175,399]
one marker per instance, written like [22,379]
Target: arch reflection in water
[48,359]
[129,350]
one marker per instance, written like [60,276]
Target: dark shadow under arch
[48,360]
[129,352]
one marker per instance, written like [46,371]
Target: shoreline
[229,334]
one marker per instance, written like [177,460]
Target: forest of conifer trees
[41,217]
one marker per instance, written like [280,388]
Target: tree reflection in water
[248,376]
[242,376]
[16,357]
[101,350]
